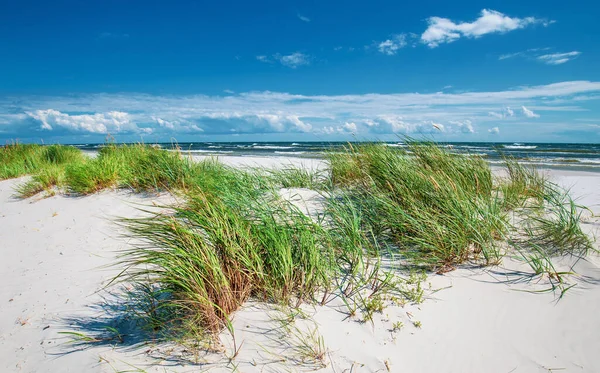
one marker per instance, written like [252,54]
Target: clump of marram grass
[46,164]
[19,159]
[217,251]
[522,185]
[555,224]
[434,207]
[23,159]
[138,167]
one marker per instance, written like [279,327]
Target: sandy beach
[56,256]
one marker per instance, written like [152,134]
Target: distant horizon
[293,141]
[297,141]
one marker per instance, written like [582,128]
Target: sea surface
[585,157]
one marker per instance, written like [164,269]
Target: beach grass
[388,213]
[216,252]
[434,207]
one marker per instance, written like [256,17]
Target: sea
[584,157]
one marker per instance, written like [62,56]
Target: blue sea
[564,156]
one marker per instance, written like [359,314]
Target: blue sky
[73,71]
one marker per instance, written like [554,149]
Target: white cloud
[328,130]
[281,123]
[510,55]
[349,127]
[506,112]
[443,30]
[494,130]
[558,58]
[293,60]
[529,113]
[110,122]
[537,54]
[465,126]
[165,123]
[276,112]
[303,18]
[392,45]
[388,123]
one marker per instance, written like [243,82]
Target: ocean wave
[276,152]
[271,147]
[587,160]
[483,155]
[519,146]
[468,147]
[295,144]
[395,145]
[206,151]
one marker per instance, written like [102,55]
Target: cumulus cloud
[346,128]
[350,127]
[494,130]
[280,123]
[113,121]
[276,112]
[529,113]
[328,130]
[443,30]
[393,45]
[165,123]
[558,58]
[506,112]
[383,124]
[465,126]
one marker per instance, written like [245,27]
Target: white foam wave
[276,152]
[271,147]
[520,146]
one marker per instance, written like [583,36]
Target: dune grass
[46,164]
[218,250]
[24,159]
[137,167]
[434,207]
[233,237]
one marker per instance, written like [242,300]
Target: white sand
[53,251]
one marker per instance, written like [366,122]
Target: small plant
[397,326]
[372,305]
[417,324]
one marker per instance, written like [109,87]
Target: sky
[157,70]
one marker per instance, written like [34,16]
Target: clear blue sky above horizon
[73,71]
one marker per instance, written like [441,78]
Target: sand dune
[55,253]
